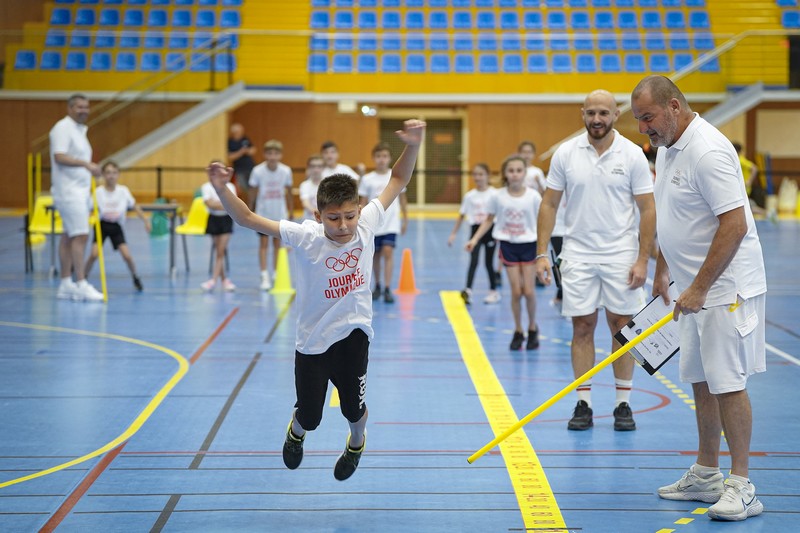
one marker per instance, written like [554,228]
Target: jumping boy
[333,263]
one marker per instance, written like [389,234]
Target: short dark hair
[381,147]
[109,163]
[74,98]
[503,167]
[526,143]
[328,144]
[738,147]
[336,189]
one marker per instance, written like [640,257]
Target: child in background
[220,228]
[271,189]
[534,176]
[330,156]
[113,202]
[333,260]
[515,207]
[396,220]
[474,208]
[308,188]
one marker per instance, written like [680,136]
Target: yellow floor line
[540,511]
[183,367]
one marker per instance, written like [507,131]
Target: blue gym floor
[169,408]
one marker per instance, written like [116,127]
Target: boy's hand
[219,174]
[412,133]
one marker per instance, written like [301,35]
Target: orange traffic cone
[407,285]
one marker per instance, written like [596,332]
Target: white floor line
[781,353]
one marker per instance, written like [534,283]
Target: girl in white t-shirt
[308,188]
[514,211]
[220,228]
[474,208]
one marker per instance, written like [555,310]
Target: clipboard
[658,348]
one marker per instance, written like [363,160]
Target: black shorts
[345,365]
[219,225]
[517,253]
[111,230]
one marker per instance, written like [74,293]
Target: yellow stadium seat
[43,222]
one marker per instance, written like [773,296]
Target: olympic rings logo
[346,260]
[513,215]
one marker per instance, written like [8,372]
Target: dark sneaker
[348,461]
[498,279]
[376,294]
[516,342]
[581,418]
[387,296]
[137,283]
[533,339]
[466,295]
[623,418]
[292,449]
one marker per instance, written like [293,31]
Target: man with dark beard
[604,258]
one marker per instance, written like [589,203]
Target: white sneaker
[228,285]
[209,285]
[492,298]
[694,487]
[85,292]
[266,282]
[738,502]
[67,290]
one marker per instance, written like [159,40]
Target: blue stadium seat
[51,60]
[487,41]
[462,20]
[534,42]
[631,41]
[391,41]
[556,20]
[559,41]
[607,41]
[129,39]
[601,3]
[578,3]
[579,20]
[634,63]
[90,2]
[390,63]
[202,39]
[367,20]
[133,18]
[178,40]
[704,41]
[461,3]
[699,20]
[230,18]
[484,3]
[414,3]
[319,20]
[342,42]
[55,38]
[84,17]
[100,62]
[659,63]
[485,20]
[80,39]
[391,20]
[509,20]
[487,64]
[439,41]
[554,3]
[674,20]
[318,42]
[626,20]
[415,41]
[604,20]
[440,63]
[672,3]
[342,63]
[230,40]
[415,63]
[367,63]
[25,60]
[655,41]
[320,3]
[462,41]
[679,61]
[537,63]
[585,63]
[181,18]
[159,2]
[390,3]
[651,20]
[157,18]
[105,39]
[562,63]
[200,62]
[583,41]
[512,64]
[175,61]
[648,3]
[415,20]
[695,3]
[679,41]
[225,63]
[711,66]
[317,63]
[532,20]
[790,19]
[151,62]
[367,41]
[610,63]
[465,64]
[75,61]
[438,20]
[109,16]
[184,2]
[206,2]
[510,41]
[342,20]
[205,18]
[432,3]
[625,3]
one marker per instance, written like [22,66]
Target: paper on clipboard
[656,349]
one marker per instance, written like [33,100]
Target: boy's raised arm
[412,135]
[219,175]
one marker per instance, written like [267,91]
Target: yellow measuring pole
[98,236]
[569,388]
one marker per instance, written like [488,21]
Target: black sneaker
[581,418]
[623,418]
[376,294]
[348,461]
[137,283]
[387,296]
[533,339]
[466,295]
[516,342]
[292,449]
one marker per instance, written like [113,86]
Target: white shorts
[74,215]
[589,286]
[722,347]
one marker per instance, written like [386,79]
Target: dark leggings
[557,243]
[490,245]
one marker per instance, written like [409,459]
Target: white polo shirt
[370,187]
[515,216]
[699,178]
[271,185]
[475,205]
[333,280]
[68,137]
[601,209]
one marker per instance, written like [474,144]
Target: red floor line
[55,520]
